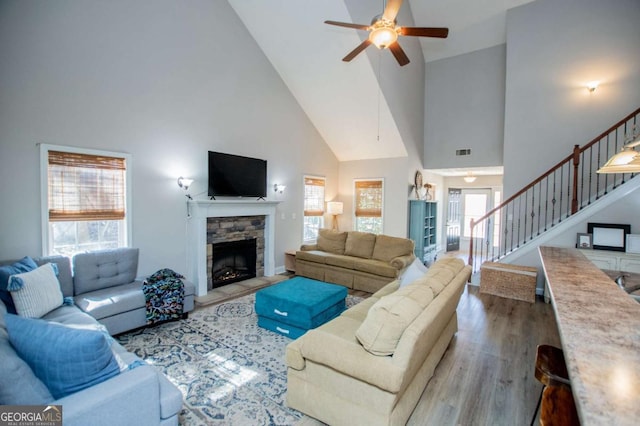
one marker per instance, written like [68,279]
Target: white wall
[553,49]
[165,81]
[465,109]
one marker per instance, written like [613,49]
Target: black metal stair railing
[562,191]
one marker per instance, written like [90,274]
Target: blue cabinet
[423,229]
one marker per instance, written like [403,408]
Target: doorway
[453,219]
[475,204]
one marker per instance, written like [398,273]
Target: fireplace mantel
[197,233]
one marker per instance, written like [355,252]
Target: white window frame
[355,207]
[304,178]
[47,244]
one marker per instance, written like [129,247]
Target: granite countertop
[599,327]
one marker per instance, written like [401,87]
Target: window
[475,205]
[85,200]
[368,202]
[313,207]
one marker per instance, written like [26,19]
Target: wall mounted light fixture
[279,188]
[592,86]
[185,183]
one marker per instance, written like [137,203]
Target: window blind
[85,187]
[313,196]
[368,198]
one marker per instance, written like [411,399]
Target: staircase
[566,194]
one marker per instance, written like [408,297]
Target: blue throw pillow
[18,384]
[26,264]
[66,359]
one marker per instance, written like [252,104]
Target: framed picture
[609,236]
[633,243]
[584,241]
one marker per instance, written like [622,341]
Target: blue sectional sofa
[102,291]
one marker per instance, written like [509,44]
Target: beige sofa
[357,260]
[370,365]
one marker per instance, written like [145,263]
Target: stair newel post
[471,246]
[576,166]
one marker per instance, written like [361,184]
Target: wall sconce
[185,183]
[279,188]
[592,86]
[335,208]
[469,178]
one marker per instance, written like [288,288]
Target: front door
[453,220]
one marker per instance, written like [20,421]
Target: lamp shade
[184,183]
[334,207]
[625,161]
[616,165]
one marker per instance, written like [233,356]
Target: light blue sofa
[139,396]
[104,285]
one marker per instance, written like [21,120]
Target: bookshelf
[423,229]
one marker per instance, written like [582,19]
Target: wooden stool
[556,403]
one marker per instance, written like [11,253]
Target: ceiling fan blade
[391,10]
[424,32]
[357,50]
[399,54]
[348,25]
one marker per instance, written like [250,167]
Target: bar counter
[599,327]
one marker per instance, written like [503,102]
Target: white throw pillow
[412,273]
[37,292]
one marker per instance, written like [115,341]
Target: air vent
[466,151]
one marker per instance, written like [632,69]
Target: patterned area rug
[230,371]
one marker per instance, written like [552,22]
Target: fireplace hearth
[233,261]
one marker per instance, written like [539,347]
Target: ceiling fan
[383,33]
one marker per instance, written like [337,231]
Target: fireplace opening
[233,261]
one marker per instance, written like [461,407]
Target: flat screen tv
[236,176]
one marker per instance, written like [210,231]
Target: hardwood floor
[486,377]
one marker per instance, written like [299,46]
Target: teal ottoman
[294,306]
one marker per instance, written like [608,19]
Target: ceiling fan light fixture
[382,37]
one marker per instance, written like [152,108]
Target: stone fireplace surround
[196,250]
[235,231]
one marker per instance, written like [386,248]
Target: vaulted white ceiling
[342,99]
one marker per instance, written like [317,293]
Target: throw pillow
[18,384]
[412,273]
[331,241]
[67,360]
[388,248]
[37,292]
[359,244]
[26,264]
[390,316]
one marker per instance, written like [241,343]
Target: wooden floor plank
[496,342]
